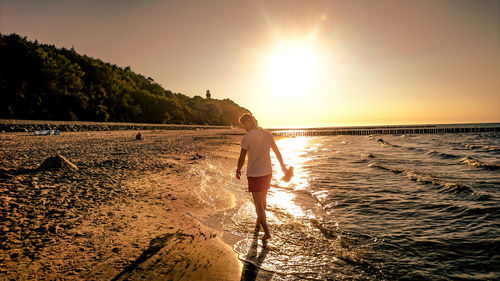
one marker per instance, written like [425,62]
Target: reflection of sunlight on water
[284,200]
[294,151]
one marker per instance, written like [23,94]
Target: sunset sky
[294,63]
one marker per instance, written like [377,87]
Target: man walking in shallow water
[257,143]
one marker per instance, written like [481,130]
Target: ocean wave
[478,164]
[415,149]
[480,211]
[379,166]
[472,146]
[385,143]
[367,155]
[448,186]
[364,158]
[479,146]
[480,196]
[442,155]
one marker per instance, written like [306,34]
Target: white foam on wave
[424,178]
[215,183]
[442,154]
[480,146]
[478,164]
[367,155]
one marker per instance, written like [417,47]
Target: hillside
[42,82]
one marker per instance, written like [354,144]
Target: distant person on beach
[138,136]
[258,142]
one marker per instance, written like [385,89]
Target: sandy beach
[132,210]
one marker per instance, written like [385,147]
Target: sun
[293,72]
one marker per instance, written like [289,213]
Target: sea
[376,207]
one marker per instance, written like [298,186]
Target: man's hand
[288,174]
[241,161]
[284,169]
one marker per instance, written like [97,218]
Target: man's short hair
[247,118]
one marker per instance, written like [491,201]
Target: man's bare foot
[266,236]
[264,244]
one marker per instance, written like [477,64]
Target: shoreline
[14,125]
[129,212]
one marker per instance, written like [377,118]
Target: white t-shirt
[258,142]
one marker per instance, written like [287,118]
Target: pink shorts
[258,184]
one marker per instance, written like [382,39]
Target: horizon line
[490,124]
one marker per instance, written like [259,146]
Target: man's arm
[278,155]
[241,161]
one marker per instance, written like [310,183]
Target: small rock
[57,162]
[197,156]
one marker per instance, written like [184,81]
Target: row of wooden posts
[379,131]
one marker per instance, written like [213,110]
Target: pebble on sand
[197,156]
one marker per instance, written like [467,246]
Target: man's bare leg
[257,221]
[264,198]
[259,198]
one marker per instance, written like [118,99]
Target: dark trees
[39,81]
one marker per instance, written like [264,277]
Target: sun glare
[293,72]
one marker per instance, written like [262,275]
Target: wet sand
[129,212]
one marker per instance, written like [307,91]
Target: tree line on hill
[42,82]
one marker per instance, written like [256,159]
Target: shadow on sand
[10,173]
[252,269]
[154,247]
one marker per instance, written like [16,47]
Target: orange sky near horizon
[393,62]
